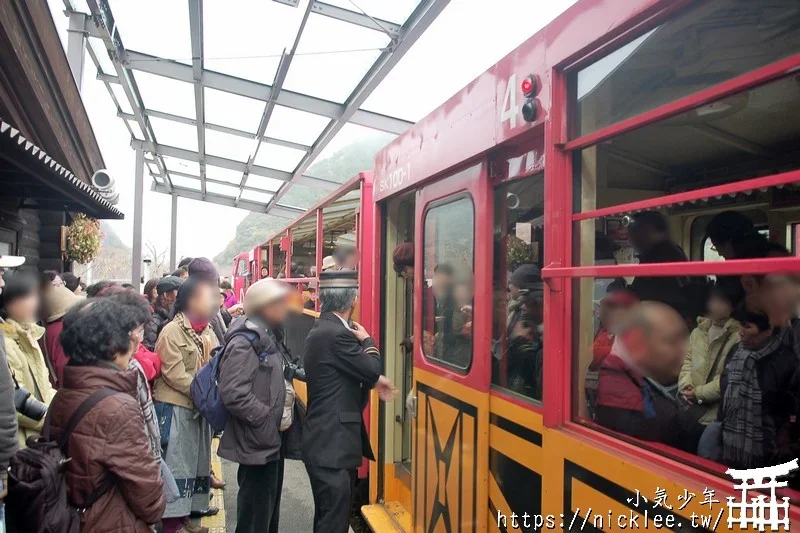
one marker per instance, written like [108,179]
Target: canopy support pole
[76,46]
[138,200]
[173,235]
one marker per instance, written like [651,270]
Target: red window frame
[559,270]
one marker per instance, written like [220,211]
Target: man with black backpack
[260,403]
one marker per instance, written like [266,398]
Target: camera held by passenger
[26,404]
[292,371]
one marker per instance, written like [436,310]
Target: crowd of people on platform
[107,373]
[709,367]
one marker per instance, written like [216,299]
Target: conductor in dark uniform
[342,365]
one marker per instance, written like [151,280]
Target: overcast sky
[242,38]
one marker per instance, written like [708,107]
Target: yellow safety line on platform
[216,523]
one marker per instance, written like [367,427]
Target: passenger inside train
[726,389]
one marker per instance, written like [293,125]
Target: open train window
[653,331]
[517,323]
[449,283]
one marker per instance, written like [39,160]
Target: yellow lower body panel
[389,517]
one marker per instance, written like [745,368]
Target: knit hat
[403,255]
[264,292]
[58,301]
[202,268]
[526,277]
[170,283]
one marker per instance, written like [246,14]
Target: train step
[387,517]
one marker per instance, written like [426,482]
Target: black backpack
[37,500]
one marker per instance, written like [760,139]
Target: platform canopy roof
[236,101]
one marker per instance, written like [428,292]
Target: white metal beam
[230,164]
[196,31]
[279,211]
[138,61]
[419,21]
[216,127]
[390,28]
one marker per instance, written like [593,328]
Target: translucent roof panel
[186,183]
[299,196]
[332,58]
[228,146]
[173,133]
[140,21]
[264,183]
[224,174]
[225,190]
[232,110]
[247,40]
[396,11]
[402,95]
[255,196]
[122,99]
[137,131]
[279,157]
[100,51]
[350,134]
[164,94]
[182,165]
[295,126]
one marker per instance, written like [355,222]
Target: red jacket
[629,403]
[54,350]
[150,361]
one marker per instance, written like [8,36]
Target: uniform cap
[338,279]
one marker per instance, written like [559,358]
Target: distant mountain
[255,228]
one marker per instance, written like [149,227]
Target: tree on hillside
[255,228]
[159,260]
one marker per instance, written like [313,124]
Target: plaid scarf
[148,410]
[186,325]
[744,428]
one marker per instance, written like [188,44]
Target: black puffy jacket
[153,326]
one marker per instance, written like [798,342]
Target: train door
[451,354]
[396,344]
[240,266]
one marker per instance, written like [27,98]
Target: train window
[650,349]
[241,267]
[448,283]
[710,44]
[517,323]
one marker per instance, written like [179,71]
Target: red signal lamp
[528,86]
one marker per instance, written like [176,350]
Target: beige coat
[27,366]
[699,362]
[181,358]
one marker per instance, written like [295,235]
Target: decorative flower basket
[83,239]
